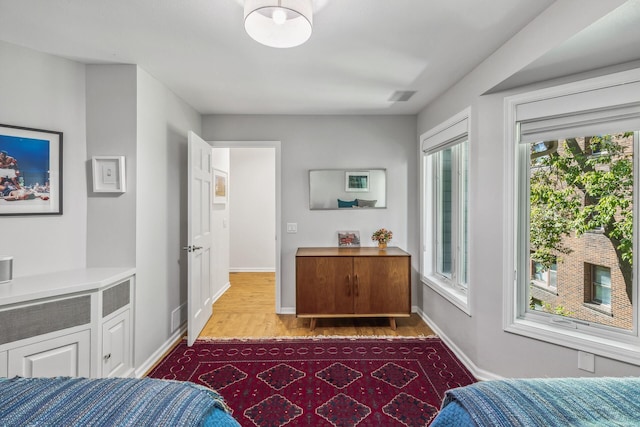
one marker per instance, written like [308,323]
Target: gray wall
[163,120]
[111,131]
[317,142]
[480,337]
[46,92]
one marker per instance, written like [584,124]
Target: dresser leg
[312,326]
[392,323]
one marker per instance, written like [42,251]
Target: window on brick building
[571,169]
[542,275]
[600,285]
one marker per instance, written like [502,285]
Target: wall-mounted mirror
[347,189]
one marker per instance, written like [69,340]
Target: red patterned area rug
[322,381]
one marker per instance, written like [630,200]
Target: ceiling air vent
[402,95]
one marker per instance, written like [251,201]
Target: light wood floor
[247,310]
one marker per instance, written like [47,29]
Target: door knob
[191,248]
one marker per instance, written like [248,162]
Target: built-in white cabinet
[77,323]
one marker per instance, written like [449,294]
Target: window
[600,285]
[445,166]
[569,198]
[546,276]
[571,215]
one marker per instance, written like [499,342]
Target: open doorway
[254,209]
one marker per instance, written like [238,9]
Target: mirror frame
[346,189]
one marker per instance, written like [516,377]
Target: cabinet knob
[107,357]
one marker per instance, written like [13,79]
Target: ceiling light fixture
[278,23]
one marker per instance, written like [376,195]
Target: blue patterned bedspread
[553,402]
[109,402]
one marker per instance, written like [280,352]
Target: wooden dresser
[353,282]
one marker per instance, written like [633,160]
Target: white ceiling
[360,52]
[613,39]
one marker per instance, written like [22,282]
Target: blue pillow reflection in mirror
[347,204]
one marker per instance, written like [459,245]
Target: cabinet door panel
[116,359]
[324,285]
[65,356]
[382,285]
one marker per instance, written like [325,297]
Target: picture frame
[220,187]
[108,174]
[357,181]
[348,239]
[30,171]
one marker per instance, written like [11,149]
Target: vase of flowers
[382,236]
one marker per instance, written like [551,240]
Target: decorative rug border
[317,338]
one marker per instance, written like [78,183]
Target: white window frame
[604,93]
[448,134]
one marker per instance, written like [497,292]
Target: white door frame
[276,145]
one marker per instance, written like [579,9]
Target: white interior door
[200,172]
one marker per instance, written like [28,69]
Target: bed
[110,402]
[543,402]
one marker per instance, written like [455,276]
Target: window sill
[543,287]
[602,309]
[625,349]
[457,298]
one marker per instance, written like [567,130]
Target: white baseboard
[157,355]
[252,270]
[287,310]
[480,374]
[224,289]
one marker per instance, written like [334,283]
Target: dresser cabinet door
[324,285]
[64,356]
[381,285]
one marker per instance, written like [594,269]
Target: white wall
[46,92]
[252,214]
[162,122]
[318,142]
[481,337]
[220,228]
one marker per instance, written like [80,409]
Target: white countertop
[28,288]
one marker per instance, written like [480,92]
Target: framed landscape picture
[220,187]
[357,181]
[30,171]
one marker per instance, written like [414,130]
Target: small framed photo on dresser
[348,238]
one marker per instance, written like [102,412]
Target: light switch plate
[292,227]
